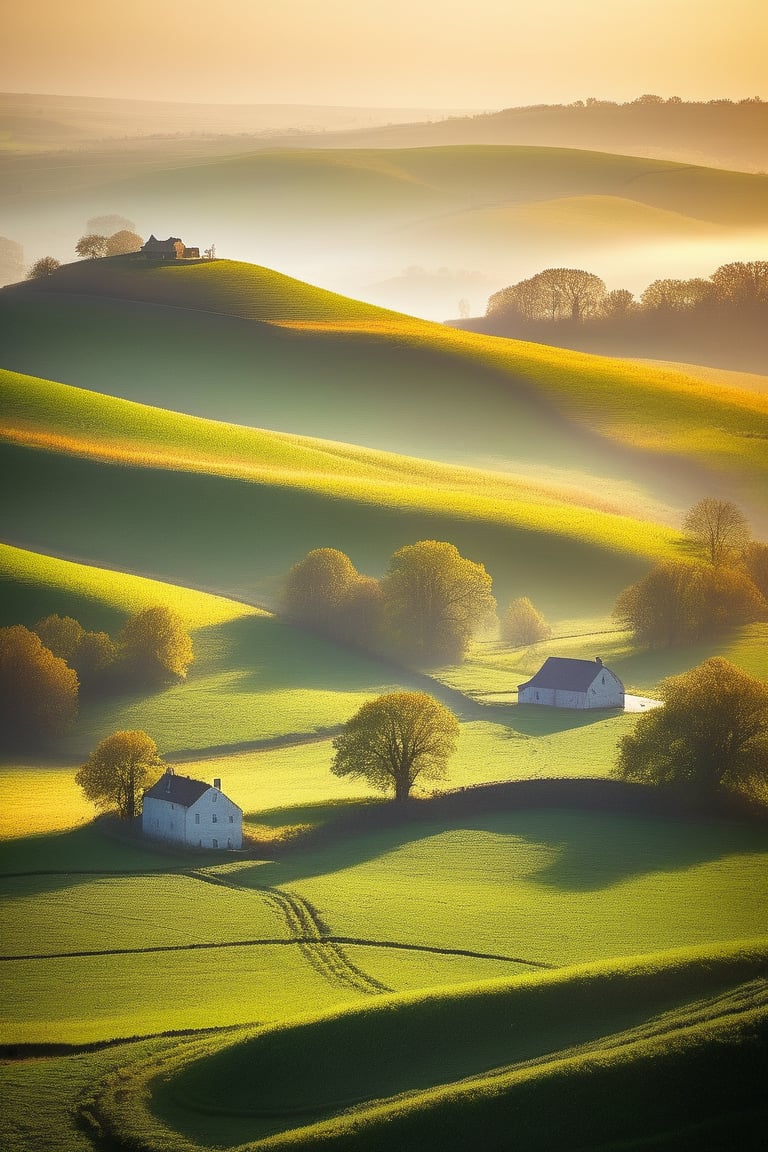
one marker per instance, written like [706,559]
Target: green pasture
[34,585]
[470,1052]
[46,914]
[554,886]
[141,994]
[240,538]
[347,187]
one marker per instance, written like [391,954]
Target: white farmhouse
[191,812]
[564,683]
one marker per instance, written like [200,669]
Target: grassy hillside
[528,1049]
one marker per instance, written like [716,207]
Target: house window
[603,678]
[214,843]
[214,818]
[215,797]
[231,819]
[197,817]
[537,697]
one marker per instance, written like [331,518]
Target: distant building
[170,249]
[191,812]
[564,683]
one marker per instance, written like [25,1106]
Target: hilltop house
[191,812]
[170,249]
[564,683]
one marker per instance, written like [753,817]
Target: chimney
[598,661]
[217,782]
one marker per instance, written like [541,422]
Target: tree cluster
[712,732]
[574,296]
[425,610]
[683,601]
[43,670]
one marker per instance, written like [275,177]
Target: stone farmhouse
[565,683]
[191,812]
[170,249]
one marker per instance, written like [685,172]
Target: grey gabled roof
[562,672]
[179,790]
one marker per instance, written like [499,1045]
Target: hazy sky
[453,53]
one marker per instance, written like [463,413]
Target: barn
[565,683]
[191,812]
[171,249]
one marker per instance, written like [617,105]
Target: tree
[92,246]
[396,739]
[719,529]
[317,587]
[679,602]
[38,691]
[154,644]
[524,624]
[109,224]
[712,730]
[434,600]
[46,266]
[619,303]
[91,654]
[119,771]
[676,295]
[742,284]
[62,634]
[123,242]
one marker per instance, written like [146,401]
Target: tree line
[45,669]
[574,296]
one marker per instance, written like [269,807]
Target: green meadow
[181,436]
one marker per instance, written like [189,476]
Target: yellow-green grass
[44,584]
[57,417]
[43,915]
[464,1046]
[416,387]
[142,994]
[95,847]
[241,538]
[41,1097]
[35,800]
[548,885]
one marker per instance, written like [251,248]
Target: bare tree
[719,528]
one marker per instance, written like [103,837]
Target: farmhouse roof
[562,672]
[181,790]
[162,245]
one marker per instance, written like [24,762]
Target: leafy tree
[109,224]
[11,261]
[123,242]
[742,284]
[326,592]
[92,246]
[712,730]
[38,691]
[395,740]
[756,564]
[62,634]
[154,644]
[551,295]
[522,623]
[46,266]
[676,295]
[119,770]
[91,654]
[718,528]
[619,303]
[316,588]
[680,602]
[434,600]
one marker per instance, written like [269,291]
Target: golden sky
[406,53]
